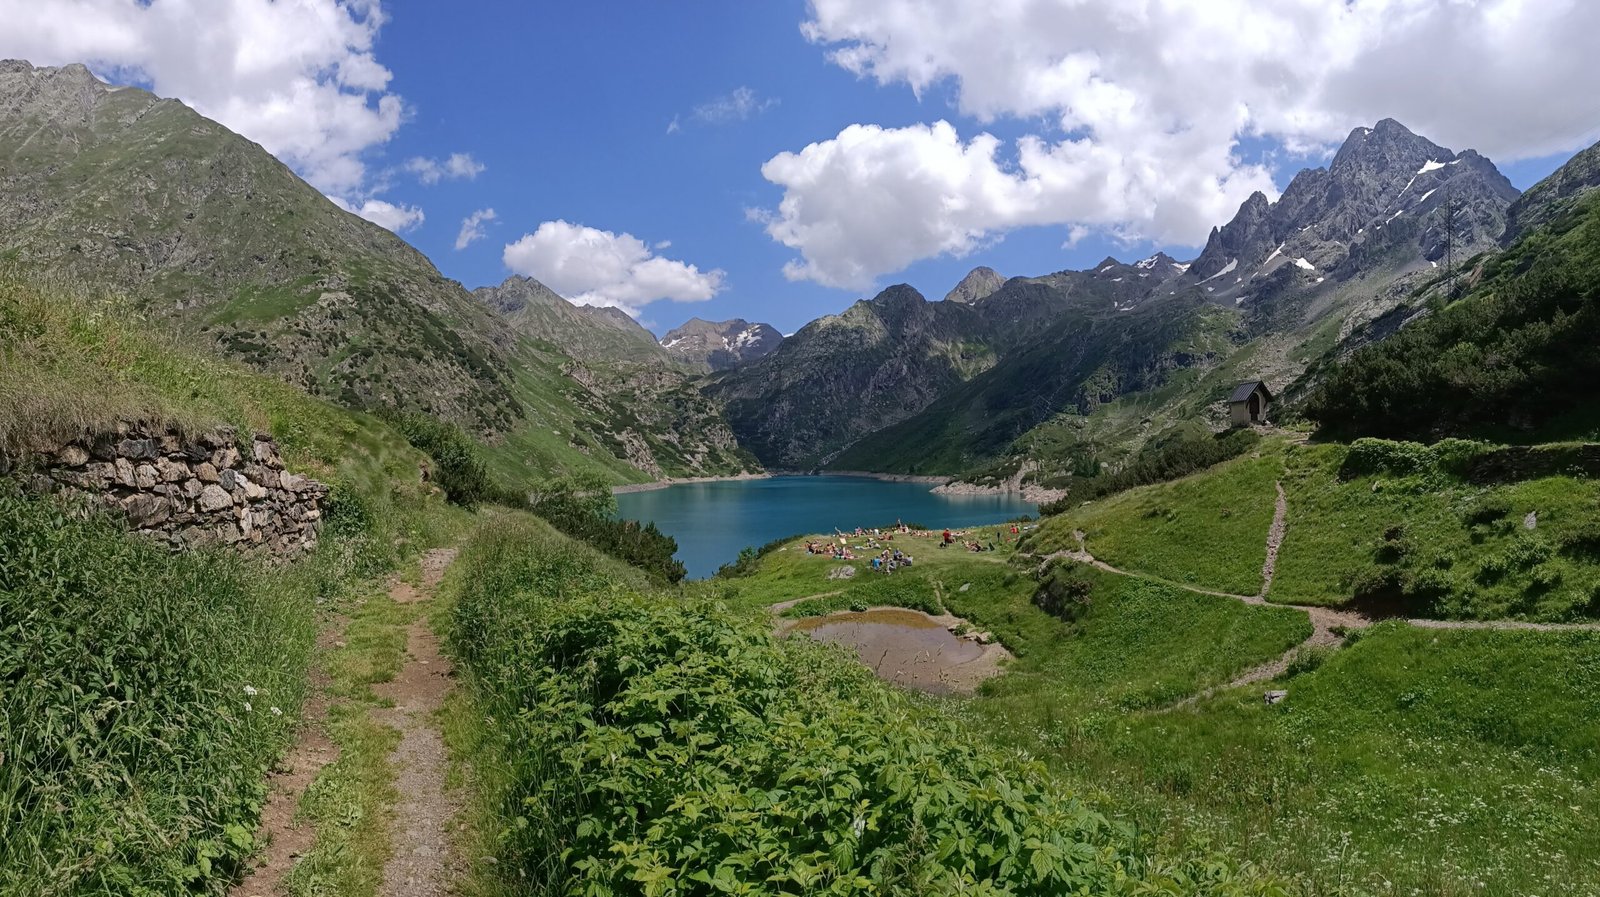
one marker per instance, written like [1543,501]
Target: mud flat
[911,648]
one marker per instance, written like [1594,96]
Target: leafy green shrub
[458,469]
[583,507]
[1448,457]
[1307,659]
[673,747]
[1065,593]
[142,697]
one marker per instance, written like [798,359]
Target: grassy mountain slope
[122,188]
[1396,764]
[150,693]
[1512,360]
[213,236]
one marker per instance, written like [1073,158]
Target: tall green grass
[142,697]
[639,744]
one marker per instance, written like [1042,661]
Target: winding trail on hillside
[287,838]
[1328,624]
[422,862]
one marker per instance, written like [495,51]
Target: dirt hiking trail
[288,839]
[423,822]
[421,862]
[1328,623]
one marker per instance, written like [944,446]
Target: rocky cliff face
[720,345]
[1382,203]
[843,376]
[189,491]
[1554,195]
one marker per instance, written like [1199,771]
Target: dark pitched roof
[1242,393]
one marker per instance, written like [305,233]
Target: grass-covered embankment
[142,698]
[130,762]
[651,744]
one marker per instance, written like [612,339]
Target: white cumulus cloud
[396,218]
[596,267]
[297,76]
[459,166]
[472,227]
[1139,108]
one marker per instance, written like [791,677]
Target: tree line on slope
[1516,359]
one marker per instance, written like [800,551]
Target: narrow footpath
[421,825]
[421,863]
[1328,623]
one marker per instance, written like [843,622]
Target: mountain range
[1062,373]
[1079,369]
[720,345]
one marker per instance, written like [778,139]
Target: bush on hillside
[458,468]
[584,508]
[672,747]
[1183,454]
[142,697]
[1516,355]
[1066,593]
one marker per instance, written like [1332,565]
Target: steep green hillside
[1513,360]
[211,235]
[1083,361]
[125,189]
[148,694]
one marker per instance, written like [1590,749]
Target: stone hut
[1249,404]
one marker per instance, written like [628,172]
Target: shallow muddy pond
[908,647]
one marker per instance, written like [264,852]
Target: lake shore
[630,488]
[1036,494]
[888,477]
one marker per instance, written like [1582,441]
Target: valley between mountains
[312,580]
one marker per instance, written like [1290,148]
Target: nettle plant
[667,747]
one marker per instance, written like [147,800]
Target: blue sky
[777,160]
[568,108]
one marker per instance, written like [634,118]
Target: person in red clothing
[947,539]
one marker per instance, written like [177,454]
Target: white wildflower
[277,712]
[250,690]
[247,707]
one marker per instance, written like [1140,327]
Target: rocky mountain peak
[979,283]
[720,345]
[1378,204]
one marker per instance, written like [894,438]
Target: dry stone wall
[193,491]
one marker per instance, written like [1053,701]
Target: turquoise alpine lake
[714,521]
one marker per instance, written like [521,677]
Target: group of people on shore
[887,558]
